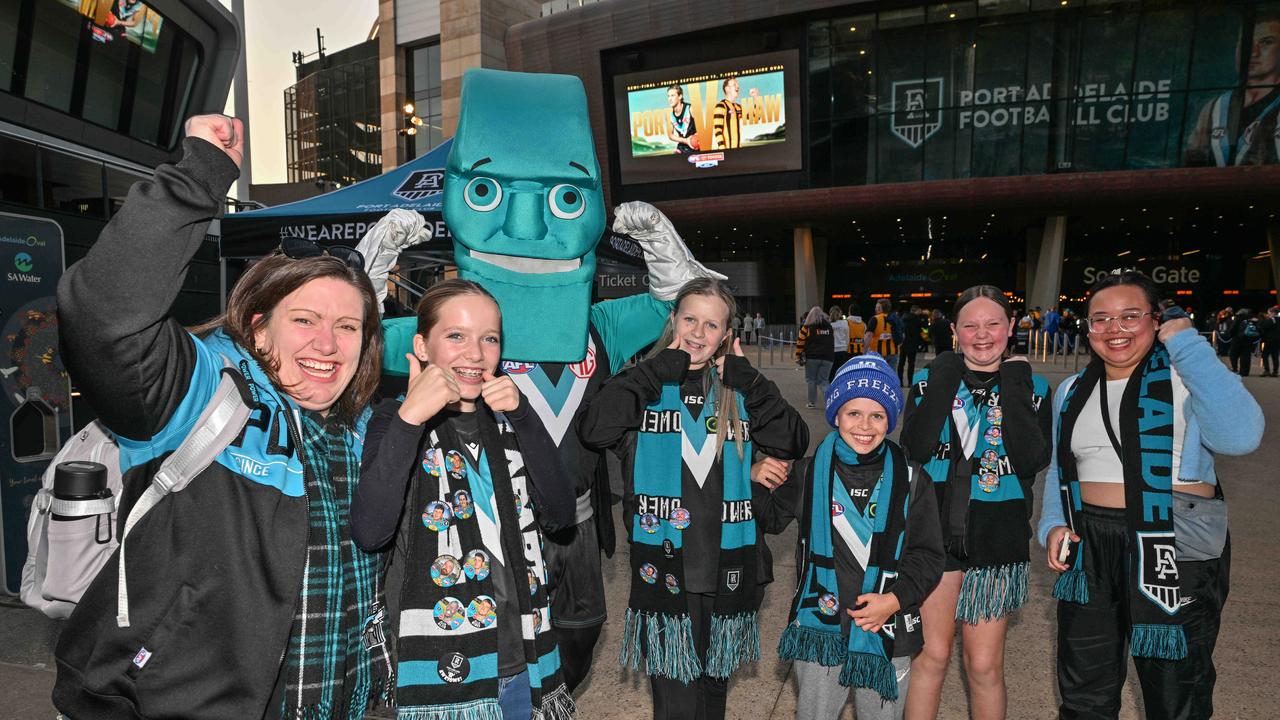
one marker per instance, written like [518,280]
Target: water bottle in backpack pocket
[71,532]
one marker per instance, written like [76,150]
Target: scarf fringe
[735,640]
[1072,586]
[816,646]
[1166,642]
[483,709]
[669,640]
[558,705]
[872,672]
[990,593]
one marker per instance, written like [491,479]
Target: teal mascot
[523,201]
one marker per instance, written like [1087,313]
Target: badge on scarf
[990,460]
[437,516]
[476,565]
[463,508]
[668,549]
[649,523]
[989,482]
[519,503]
[431,462]
[537,621]
[732,578]
[828,604]
[446,570]
[673,586]
[533,583]
[453,668]
[993,435]
[995,415]
[679,518]
[649,573]
[449,613]
[457,466]
[482,612]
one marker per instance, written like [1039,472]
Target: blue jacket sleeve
[628,324]
[1228,417]
[1051,515]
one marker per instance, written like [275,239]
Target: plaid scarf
[337,663]
[814,631]
[985,504]
[657,624]
[476,518]
[1146,452]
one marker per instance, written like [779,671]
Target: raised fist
[222,131]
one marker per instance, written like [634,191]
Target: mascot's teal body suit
[526,211]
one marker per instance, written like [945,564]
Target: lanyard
[1106,417]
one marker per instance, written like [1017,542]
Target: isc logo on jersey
[587,367]
[511,367]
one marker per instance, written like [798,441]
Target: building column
[472,34]
[1044,264]
[804,256]
[392,93]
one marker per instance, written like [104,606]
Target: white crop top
[1096,459]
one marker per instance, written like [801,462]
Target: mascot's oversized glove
[381,246]
[670,263]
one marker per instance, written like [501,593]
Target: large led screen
[113,21]
[727,117]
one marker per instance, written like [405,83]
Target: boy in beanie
[870,552]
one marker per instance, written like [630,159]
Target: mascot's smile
[529,265]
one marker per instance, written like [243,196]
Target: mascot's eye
[566,202]
[483,194]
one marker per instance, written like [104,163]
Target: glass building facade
[1017,87]
[122,66]
[332,122]
[424,91]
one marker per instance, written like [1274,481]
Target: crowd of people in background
[903,333]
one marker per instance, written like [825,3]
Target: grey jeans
[820,696]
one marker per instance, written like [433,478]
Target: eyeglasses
[1128,321]
[299,248]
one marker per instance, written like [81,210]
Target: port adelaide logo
[420,184]
[917,114]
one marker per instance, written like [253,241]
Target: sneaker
[810,405]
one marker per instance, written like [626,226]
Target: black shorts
[574,577]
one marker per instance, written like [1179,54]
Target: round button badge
[446,570]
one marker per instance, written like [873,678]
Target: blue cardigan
[1222,417]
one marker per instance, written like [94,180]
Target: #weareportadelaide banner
[1170,86]
[35,402]
[727,117]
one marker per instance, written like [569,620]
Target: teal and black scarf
[658,628]
[337,663]
[1145,437]
[468,519]
[813,632]
[985,504]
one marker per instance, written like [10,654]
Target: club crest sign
[420,184]
[917,114]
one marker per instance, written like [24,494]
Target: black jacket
[613,418]
[215,570]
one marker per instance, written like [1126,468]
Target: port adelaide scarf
[464,516]
[1145,445]
[658,630]
[985,505]
[813,632]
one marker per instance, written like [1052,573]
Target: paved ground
[1248,653]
